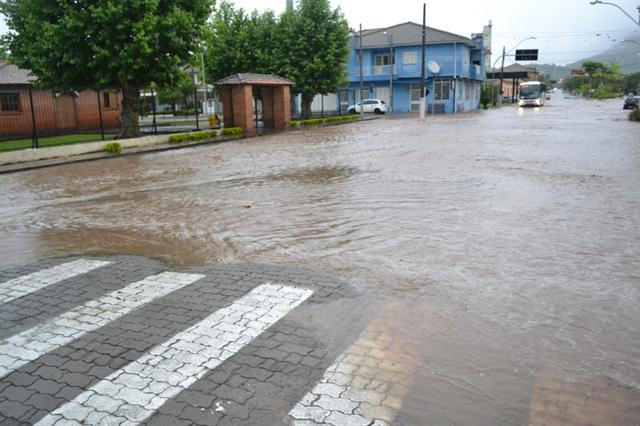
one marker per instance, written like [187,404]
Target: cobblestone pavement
[126,340]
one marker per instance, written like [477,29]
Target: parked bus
[532,93]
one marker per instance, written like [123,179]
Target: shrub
[193,136]
[635,115]
[187,111]
[113,148]
[490,94]
[340,118]
[312,122]
[605,93]
[178,138]
[233,131]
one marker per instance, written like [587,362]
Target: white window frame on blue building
[410,57]
[441,89]
[382,63]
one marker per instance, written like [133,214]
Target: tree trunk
[129,125]
[306,105]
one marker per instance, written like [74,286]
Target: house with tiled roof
[24,106]
[392,68]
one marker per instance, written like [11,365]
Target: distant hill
[555,72]
[625,54]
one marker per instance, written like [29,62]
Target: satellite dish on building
[433,67]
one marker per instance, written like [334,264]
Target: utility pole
[455,76]
[424,60]
[392,65]
[504,53]
[204,81]
[361,73]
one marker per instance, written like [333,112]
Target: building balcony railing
[382,70]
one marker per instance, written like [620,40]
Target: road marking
[31,344]
[21,286]
[133,393]
[365,385]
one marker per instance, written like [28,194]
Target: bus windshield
[529,92]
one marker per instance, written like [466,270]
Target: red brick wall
[63,113]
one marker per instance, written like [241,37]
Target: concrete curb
[102,154]
[29,155]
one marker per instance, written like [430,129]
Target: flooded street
[503,247]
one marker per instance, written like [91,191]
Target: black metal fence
[32,118]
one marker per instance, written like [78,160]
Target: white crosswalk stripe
[133,393]
[22,286]
[29,345]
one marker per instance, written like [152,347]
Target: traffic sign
[527,55]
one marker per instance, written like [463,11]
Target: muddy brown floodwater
[514,233]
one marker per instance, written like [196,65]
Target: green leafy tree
[177,92]
[105,44]
[612,75]
[319,48]
[237,42]
[228,43]
[489,95]
[309,45]
[4,55]
[593,67]
[631,83]
[574,83]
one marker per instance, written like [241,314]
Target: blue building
[392,65]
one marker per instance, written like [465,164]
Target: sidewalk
[39,164]
[61,158]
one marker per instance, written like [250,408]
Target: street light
[621,9]
[205,106]
[391,69]
[206,88]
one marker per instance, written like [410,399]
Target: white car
[375,106]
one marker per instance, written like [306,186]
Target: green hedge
[193,136]
[233,131]
[312,122]
[318,121]
[113,148]
[205,134]
[182,112]
[635,115]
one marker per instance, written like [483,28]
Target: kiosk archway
[239,92]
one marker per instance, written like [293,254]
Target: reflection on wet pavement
[368,382]
[518,230]
[599,402]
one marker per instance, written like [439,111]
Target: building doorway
[415,99]
[383,94]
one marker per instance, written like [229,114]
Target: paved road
[492,258]
[123,340]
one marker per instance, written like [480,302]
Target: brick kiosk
[237,101]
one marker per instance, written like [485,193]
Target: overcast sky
[566,30]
